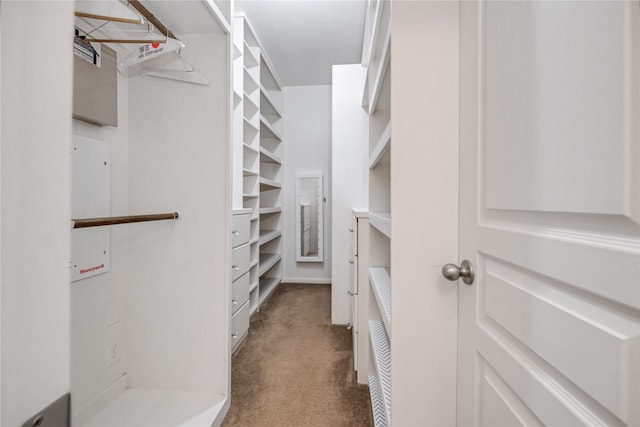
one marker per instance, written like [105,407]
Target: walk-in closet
[223,213]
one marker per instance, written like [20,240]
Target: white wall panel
[349,169]
[307,135]
[36,190]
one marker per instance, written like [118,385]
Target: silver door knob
[453,272]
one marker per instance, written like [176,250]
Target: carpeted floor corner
[295,368]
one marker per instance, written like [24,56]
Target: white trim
[307,280]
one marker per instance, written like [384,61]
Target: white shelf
[249,196]
[250,148]
[267,157]
[267,286]
[377,402]
[255,261]
[269,78]
[268,235]
[267,130]
[382,360]
[253,308]
[381,221]
[237,53]
[249,106]
[377,86]
[267,106]
[267,261]
[379,277]
[248,123]
[151,407]
[269,184]
[253,287]
[250,84]
[267,211]
[250,59]
[247,172]
[382,146]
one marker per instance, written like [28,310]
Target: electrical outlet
[113,353]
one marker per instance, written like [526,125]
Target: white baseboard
[306,280]
[84,414]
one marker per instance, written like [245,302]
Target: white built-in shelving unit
[258,128]
[376,102]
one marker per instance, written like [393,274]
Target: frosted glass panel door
[309,207]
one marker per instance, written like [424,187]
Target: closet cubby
[149,339]
[258,128]
[376,101]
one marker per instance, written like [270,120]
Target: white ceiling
[304,38]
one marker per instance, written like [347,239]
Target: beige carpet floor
[295,368]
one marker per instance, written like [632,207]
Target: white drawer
[239,325]
[240,292]
[240,261]
[240,228]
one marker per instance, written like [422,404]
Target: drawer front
[240,261]
[239,325]
[240,292]
[240,229]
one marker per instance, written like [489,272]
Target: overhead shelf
[381,221]
[376,71]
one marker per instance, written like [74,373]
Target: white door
[550,213]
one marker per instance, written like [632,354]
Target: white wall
[36,178]
[307,140]
[90,335]
[424,208]
[177,306]
[350,170]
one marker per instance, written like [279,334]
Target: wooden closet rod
[113,220]
[151,18]
[107,18]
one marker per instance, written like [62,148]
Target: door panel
[550,330]
[553,106]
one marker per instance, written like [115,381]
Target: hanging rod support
[113,220]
